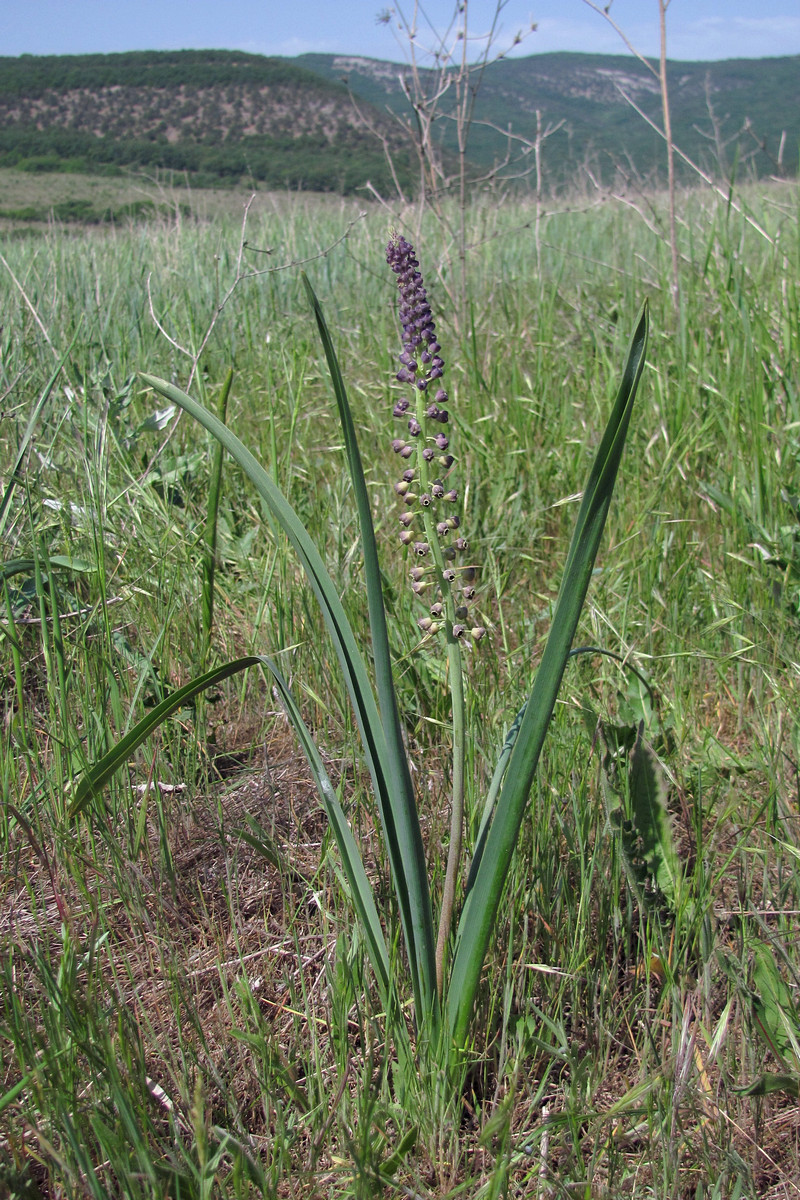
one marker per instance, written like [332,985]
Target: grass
[185,999]
[34,198]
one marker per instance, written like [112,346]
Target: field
[187,1006]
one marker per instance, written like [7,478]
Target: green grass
[184,995]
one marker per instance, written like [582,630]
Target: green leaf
[96,777]
[10,1096]
[652,826]
[398,828]
[99,775]
[766,1084]
[773,1007]
[493,854]
[361,890]
[414,865]
[401,1151]
[26,566]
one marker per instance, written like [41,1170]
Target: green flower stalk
[428,528]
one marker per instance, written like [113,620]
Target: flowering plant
[445,969]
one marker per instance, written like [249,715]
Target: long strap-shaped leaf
[97,776]
[348,849]
[403,789]
[354,670]
[101,772]
[493,853]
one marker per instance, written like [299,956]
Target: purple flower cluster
[424,495]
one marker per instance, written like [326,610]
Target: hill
[319,122]
[742,109]
[218,114]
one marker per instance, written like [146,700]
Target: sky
[696,29]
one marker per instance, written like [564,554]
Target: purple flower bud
[436,609]
[420,548]
[448,552]
[449,575]
[446,461]
[400,408]
[443,417]
[406,537]
[398,444]
[416,573]
[468,574]
[408,474]
[478,632]
[414,427]
[401,487]
[459,631]
[406,452]
[462,613]
[428,454]
[468,593]
[418,587]
[441,396]
[452,495]
[432,412]
[461,544]
[437,489]
[425,500]
[425,623]
[422,384]
[406,518]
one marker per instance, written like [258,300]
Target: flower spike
[426,444]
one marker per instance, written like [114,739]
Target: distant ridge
[225,116]
[744,111]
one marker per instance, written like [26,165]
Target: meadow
[187,1008]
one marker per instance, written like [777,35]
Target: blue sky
[697,29]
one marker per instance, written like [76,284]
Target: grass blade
[210,528]
[14,477]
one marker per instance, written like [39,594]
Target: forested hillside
[741,114]
[324,122]
[217,114]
